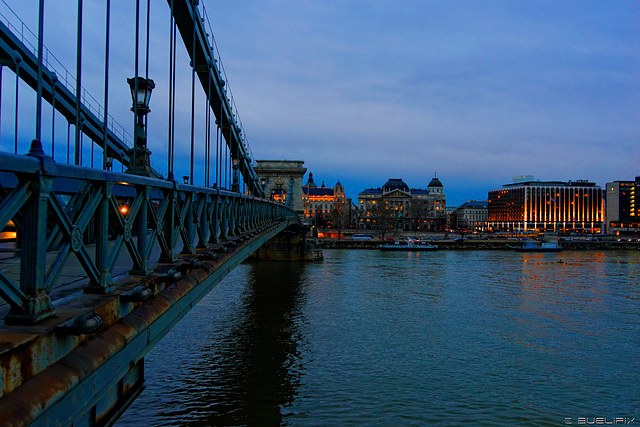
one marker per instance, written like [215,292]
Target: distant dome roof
[435,182]
[338,183]
[310,182]
[395,184]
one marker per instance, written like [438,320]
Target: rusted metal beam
[79,388]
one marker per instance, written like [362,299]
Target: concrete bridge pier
[291,244]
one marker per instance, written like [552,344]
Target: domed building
[394,184]
[395,206]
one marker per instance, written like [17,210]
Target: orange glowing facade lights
[547,206]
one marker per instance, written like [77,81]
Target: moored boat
[533,246]
[409,245]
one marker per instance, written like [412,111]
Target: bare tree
[385,217]
[339,217]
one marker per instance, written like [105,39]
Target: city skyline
[477,92]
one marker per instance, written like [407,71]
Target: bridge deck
[73,277]
[59,374]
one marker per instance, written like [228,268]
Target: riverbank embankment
[478,244]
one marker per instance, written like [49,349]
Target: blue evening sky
[475,91]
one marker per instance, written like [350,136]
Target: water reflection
[256,370]
[234,359]
[488,338]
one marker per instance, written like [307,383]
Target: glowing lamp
[141,93]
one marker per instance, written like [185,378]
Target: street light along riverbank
[479,244]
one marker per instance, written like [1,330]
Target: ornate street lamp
[139,163]
[235,186]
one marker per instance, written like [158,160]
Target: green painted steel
[89,389]
[62,210]
[76,355]
[68,207]
[14,54]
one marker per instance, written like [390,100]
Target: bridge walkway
[64,370]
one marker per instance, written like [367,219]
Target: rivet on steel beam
[170,276]
[137,294]
[196,263]
[209,256]
[87,323]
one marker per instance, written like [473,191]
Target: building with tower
[395,206]
[324,206]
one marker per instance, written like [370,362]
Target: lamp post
[235,186]
[139,163]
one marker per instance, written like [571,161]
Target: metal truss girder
[11,293]
[11,204]
[101,363]
[194,215]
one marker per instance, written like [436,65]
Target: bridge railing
[60,210]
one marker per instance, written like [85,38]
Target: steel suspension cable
[15,125]
[78,146]
[146,70]
[226,163]
[135,90]
[105,151]
[68,140]
[193,99]
[207,134]
[1,68]
[218,181]
[221,137]
[173,99]
[171,56]
[39,85]
[54,82]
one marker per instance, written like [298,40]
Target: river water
[432,338]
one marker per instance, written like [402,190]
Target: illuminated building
[396,206]
[324,204]
[574,206]
[623,214]
[472,216]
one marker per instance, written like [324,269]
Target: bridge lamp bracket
[141,89]
[139,162]
[235,186]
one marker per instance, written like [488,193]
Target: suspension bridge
[102,248]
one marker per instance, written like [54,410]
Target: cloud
[367,90]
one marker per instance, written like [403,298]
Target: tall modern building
[623,213]
[574,206]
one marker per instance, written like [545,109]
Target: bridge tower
[282,180]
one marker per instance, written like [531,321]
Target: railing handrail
[176,214]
